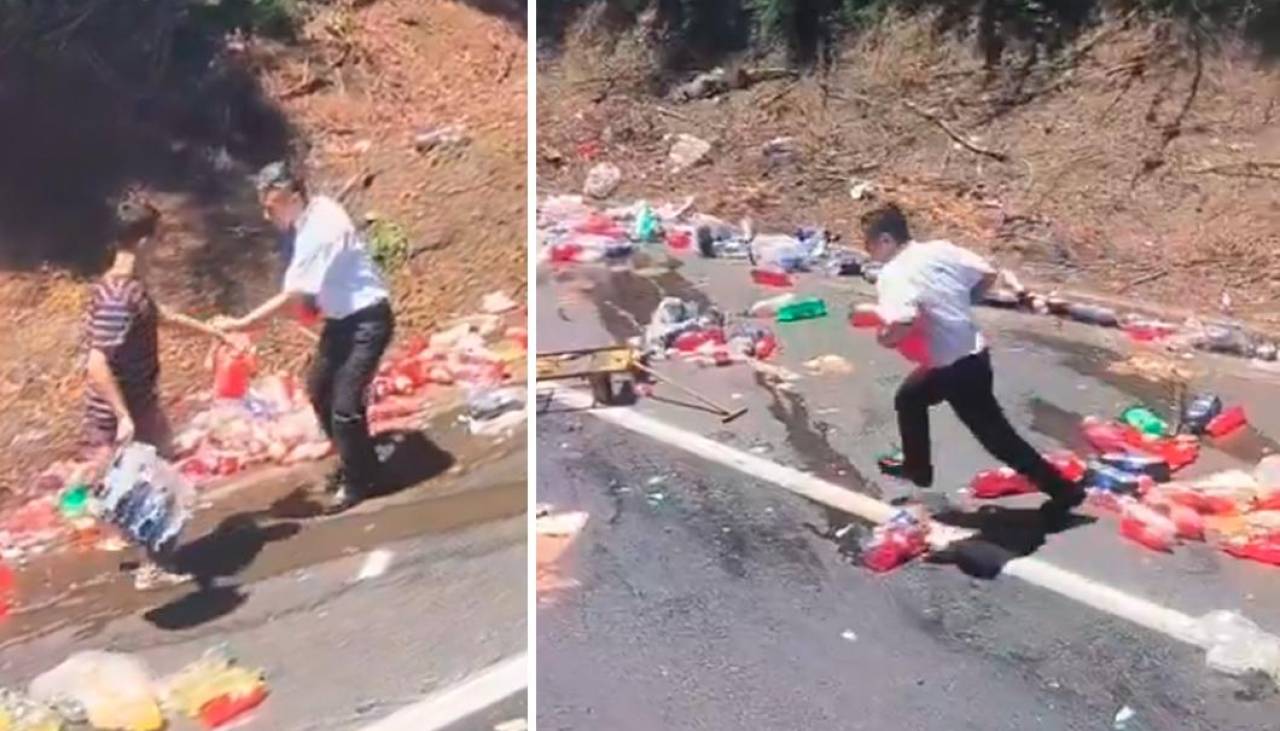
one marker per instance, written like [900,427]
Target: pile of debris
[1133,476]
[269,420]
[117,692]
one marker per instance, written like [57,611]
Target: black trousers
[345,364]
[967,386]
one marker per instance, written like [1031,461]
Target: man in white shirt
[927,289]
[331,272]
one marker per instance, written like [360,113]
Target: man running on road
[331,270]
[932,285]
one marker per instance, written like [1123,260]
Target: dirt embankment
[1133,162]
[349,96]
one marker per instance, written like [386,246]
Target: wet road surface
[278,584]
[1048,377]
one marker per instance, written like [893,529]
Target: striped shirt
[122,322]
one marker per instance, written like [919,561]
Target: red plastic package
[680,240]
[1143,525]
[1264,550]
[894,546]
[691,340]
[997,483]
[1068,464]
[766,347]
[233,368]
[1228,422]
[771,278]
[223,709]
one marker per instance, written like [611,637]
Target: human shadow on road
[1002,535]
[224,552]
[407,457]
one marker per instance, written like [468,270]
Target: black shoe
[335,480]
[1056,511]
[343,500]
[893,466]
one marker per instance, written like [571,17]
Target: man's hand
[891,336]
[125,430]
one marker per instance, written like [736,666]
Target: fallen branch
[775,98]
[964,141]
[673,114]
[1145,279]
[364,179]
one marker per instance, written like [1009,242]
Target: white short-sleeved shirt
[331,262]
[934,281]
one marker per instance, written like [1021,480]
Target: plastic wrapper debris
[1146,526]
[769,307]
[998,483]
[830,364]
[19,713]
[671,317]
[114,691]
[214,689]
[483,405]
[1237,646]
[902,538]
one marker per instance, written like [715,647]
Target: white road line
[1033,570]
[448,706]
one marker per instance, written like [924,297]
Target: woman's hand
[125,430]
[226,325]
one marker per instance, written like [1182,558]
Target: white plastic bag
[1236,645]
[115,691]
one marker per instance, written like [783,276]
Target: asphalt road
[284,592]
[708,599]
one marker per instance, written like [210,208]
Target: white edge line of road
[1036,571]
[455,703]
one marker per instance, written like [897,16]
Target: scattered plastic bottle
[74,502]
[1148,527]
[233,368]
[1104,477]
[1199,411]
[766,347]
[1226,339]
[1001,482]
[1144,330]
[1002,298]
[865,317]
[692,340]
[1189,523]
[1145,421]
[648,226]
[565,253]
[1264,550]
[679,240]
[1138,464]
[1107,436]
[769,307]
[614,250]
[893,544]
[1229,421]
[1092,314]
[600,225]
[771,277]
[803,309]
[1070,466]
[1177,452]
